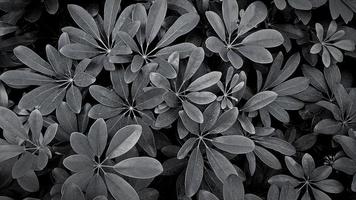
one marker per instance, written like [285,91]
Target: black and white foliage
[177,99]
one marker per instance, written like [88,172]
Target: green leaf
[84,20]
[155,19]
[8,151]
[267,157]
[319,194]
[111,9]
[128,40]
[265,38]
[139,167]
[29,181]
[186,147]
[221,166]
[205,81]
[79,51]
[33,61]
[119,188]
[57,61]
[210,115]
[217,24]
[183,25]
[50,133]
[24,78]
[159,81]
[96,188]
[259,101]
[194,173]
[235,59]
[12,124]
[193,112]
[188,123]
[123,140]
[36,122]
[150,99]
[315,77]
[98,136]
[277,144]
[83,79]
[254,14]
[235,144]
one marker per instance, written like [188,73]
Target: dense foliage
[177,99]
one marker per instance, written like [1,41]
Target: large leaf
[183,25]
[79,51]
[259,101]
[111,9]
[119,188]
[123,140]
[221,166]
[195,60]
[33,61]
[97,136]
[11,123]
[155,19]
[225,121]
[230,11]
[8,151]
[194,172]
[139,167]
[255,13]
[233,188]
[348,144]
[205,81]
[217,24]
[292,86]
[193,112]
[235,144]
[265,38]
[84,20]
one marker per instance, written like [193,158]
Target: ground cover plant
[177,99]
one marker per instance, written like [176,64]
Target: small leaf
[259,101]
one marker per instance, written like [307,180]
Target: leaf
[155,19]
[123,140]
[80,144]
[221,166]
[33,61]
[22,165]
[217,24]
[201,98]
[11,123]
[111,9]
[256,54]
[128,40]
[259,101]
[193,112]
[196,58]
[96,188]
[235,144]
[74,99]
[292,86]
[50,133]
[139,167]
[79,51]
[315,77]
[233,188]
[159,81]
[188,123]
[294,167]
[205,81]
[206,195]
[301,4]
[36,122]
[72,192]
[84,20]
[150,99]
[330,186]
[194,173]
[277,144]
[105,96]
[24,78]
[210,115]
[267,157]
[78,163]
[56,60]
[98,136]
[225,121]
[348,144]
[29,181]
[327,126]
[183,25]
[264,38]
[186,147]
[230,11]
[254,14]
[119,188]
[235,59]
